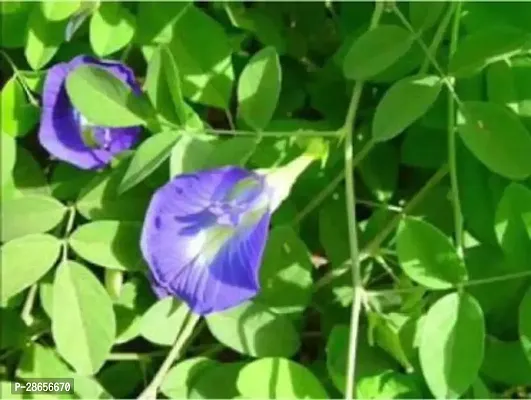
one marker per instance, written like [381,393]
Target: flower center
[228,213]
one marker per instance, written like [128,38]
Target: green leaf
[427,255]
[163,321]
[496,136]
[8,149]
[25,260]
[43,39]
[404,103]
[218,381]
[204,58]
[182,377]
[190,154]
[104,99]
[253,329]
[499,299]
[99,199]
[424,15]
[19,116]
[280,379]
[67,181]
[14,333]
[163,86]
[376,50]
[524,326]
[479,194]
[259,88]
[394,332]
[156,20]
[513,216]
[454,326]
[28,177]
[59,10]
[376,375]
[30,214]
[486,46]
[148,157]
[233,151]
[112,27]
[121,379]
[14,25]
[41,362]
[286,273]
[109,244]
[506,362]
[82,309]
[135,299]
[500,84]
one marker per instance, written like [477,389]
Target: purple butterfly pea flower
[66,134]
[204,234]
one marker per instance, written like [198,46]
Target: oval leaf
[454,326]
[163,86]
[404,103]
[59,10]
[24,261]
[376,50]
[109,244]
[112,27]
[205,58]
[513,218]
[259,88]
[30,214]
[83,323]
[280,378]
[181,378]
[286,273]
[148,157]
[253,329]
[496,136]
[43,38]
[163,321]
[427,255]
[19,116]
[104,99]
[100,199]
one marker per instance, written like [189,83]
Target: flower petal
[60,132]
[210,266]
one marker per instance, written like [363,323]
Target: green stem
[28,306]
[135,356]
[150,392]
[447,81]
[476,282]
[20,78]
[452,153]
[437,38]
[230,120]
[371,248]
[352,224]
[377,241]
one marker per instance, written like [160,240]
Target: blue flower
[66,134]
[204,233]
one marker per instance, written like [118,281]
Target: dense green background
[426,105]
